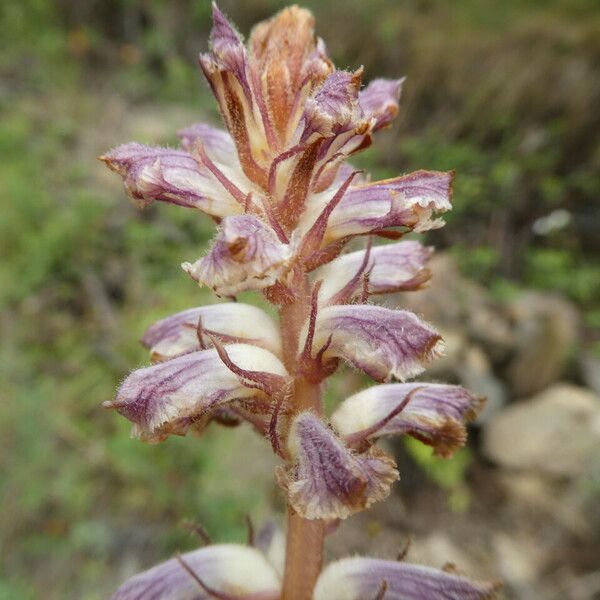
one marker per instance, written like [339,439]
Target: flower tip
[438,348]
[357,77]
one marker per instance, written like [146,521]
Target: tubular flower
[191,330]
[286,202]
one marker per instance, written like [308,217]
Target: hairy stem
[304,550]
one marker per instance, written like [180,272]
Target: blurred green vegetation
[505,92]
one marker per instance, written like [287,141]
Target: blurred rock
[448,297]
[590,371]
[546,330]
[519,561]
[560,502]
[557,432]
[475,373]
[437,549]
[491,330]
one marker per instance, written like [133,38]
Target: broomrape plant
[286,203]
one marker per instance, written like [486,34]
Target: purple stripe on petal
[383,343]
[408,202]
[231,321]
[152,173]
[327,480]
[361,579]
[435,414]
[392,268]
[228,72]
[379,101]
[168,397]
[246,255]
[225,568]
[218,143]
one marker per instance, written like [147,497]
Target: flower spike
[286,201]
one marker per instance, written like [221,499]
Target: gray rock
[488,326]
[475,373]
[556,433]
[546,331]
[590,371]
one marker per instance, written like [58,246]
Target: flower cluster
[286,203]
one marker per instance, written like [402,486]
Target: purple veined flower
[408,202]
[401,266]
[385,344]
[221,571]
[433,413]
[246,255]
[190,330]
[325,479]
[161,174]
[380,101]
[364,578]
[170,397]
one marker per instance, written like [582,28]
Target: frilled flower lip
[408,202]
[325,480]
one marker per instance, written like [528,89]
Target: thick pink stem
[304,551]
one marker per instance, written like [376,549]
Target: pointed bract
[326,480]
[287,65]
[361,579]
[229,569]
